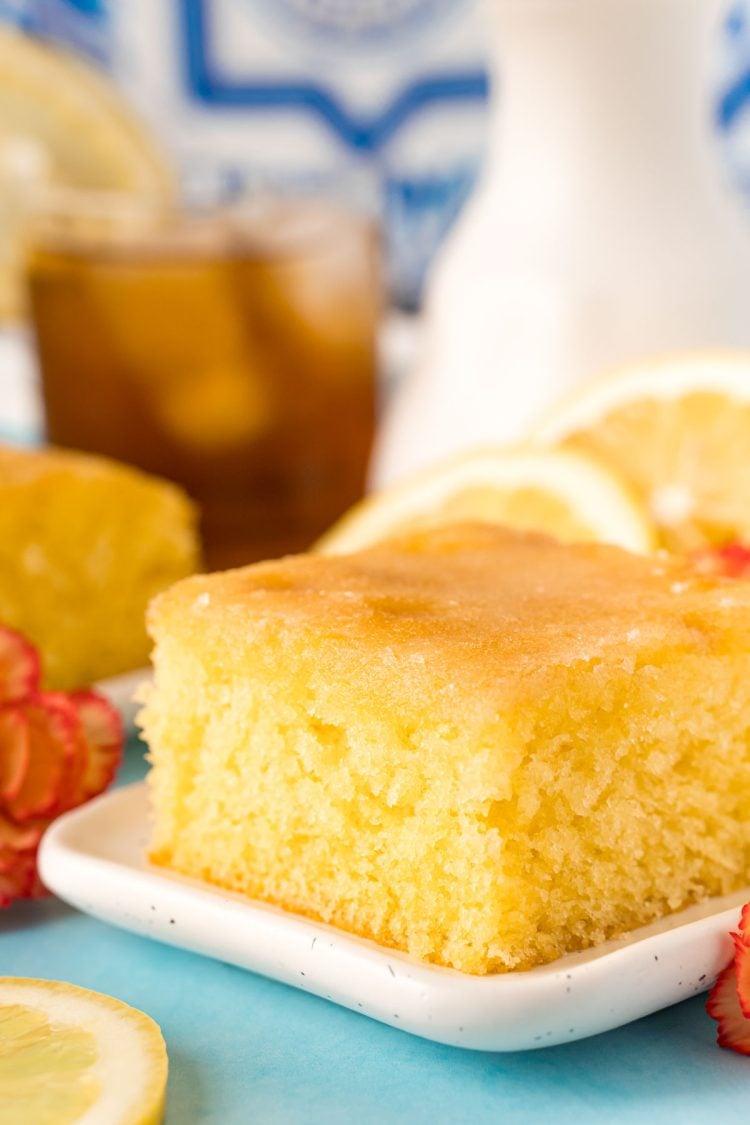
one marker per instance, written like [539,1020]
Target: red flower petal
[20,667]
[723,1005]
[18,857]
[745,923]
[7,892]
[55,756]
[56,751]
[105,737]
[20,837]
[8,860]
[15,750]
[735,558]
[742,973]
[22,882]
[730,561]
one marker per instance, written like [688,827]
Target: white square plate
[94,858]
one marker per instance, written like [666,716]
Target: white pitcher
[603,229]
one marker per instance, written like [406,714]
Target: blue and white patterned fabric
[298,88]
[733,94]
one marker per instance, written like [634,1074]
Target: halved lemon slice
[69,1055]
[677,430]
[567,495]
[62,123]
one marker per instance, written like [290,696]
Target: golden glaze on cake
[478,746]
[84,544]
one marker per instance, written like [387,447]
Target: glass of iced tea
[232,351]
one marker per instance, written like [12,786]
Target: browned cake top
[506,601]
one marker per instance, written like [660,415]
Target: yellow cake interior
[477,746]
[84,544]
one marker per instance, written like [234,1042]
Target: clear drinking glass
[231,350]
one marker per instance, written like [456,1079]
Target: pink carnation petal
[54,734]
[56,751]
[20,667]
[104,734]
[742,973]
[20,837]
[745,923]
[730,561]
[15,750]
[723,1005]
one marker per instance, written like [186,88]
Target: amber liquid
[243,370]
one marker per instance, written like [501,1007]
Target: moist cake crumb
[477,746]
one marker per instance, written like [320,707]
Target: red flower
[729,1000]
[56,751]
[730,561]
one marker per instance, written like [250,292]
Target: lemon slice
[677,430]
[62,123]
[567,495]
[69,1055]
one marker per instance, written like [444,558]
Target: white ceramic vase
[603,229]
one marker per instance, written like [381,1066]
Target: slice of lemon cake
[475,745]
[84,544]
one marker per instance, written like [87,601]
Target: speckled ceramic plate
[94,858]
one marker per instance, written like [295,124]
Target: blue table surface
[244,1049]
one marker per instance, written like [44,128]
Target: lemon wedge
[677,430]
[62,124]
[69,1055]
[565,494]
